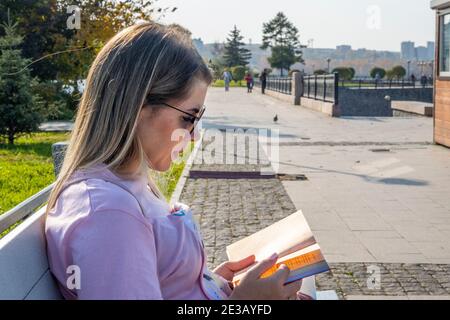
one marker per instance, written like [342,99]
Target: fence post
[298,87]
[309,86]
[315,87]
[58,153]
[324,88]
[336,88]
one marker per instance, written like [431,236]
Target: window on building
[445,45]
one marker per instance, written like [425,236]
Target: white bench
[24,269]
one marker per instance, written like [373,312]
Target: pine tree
[281,36]
[235,54]
[19,111]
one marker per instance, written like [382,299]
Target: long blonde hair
[142,66]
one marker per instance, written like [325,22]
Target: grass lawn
[167,181]
[26,168]
[233,84]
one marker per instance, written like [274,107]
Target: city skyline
[368,24]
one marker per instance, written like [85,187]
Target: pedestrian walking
[249,79]
[227,79]
[263,79]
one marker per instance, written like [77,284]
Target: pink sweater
[99,227]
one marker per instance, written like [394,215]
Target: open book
[293,241]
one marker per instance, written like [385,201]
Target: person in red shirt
[249,79]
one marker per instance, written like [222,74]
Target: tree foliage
[234,52]
[19,106]
[380,71]
[281,36]
[398,72]
[238,73]
[320,72]
[61,56]
[344,73]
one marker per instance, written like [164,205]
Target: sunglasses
[192,118]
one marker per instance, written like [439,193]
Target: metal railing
[321,87]
[277,84]
[366,83]
[280,84]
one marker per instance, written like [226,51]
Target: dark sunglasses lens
[197,120]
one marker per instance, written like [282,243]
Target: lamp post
[431,63]
[422,64]
[328,61]
[409,69]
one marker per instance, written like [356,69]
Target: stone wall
[370,102]
[328,108]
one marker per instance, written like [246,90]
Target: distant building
[430,49]
[422,53]
[344,49]
[408,50]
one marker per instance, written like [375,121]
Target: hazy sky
[371,24]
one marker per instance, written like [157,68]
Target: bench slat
[45,289]
[23,259]
[25,208]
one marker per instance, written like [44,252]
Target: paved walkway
[56,126]
[376,194]
[377,189]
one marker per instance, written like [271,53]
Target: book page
[284,237]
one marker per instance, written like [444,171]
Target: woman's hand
[252,287]
[227,270]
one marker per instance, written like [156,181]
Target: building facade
[408,50]
[442,73]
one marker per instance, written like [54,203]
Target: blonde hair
[142,66]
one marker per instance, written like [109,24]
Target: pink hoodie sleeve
[116,254]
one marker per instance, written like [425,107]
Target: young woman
[110,233]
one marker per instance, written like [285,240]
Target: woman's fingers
[282,274]
[262,266]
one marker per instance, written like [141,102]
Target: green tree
[61,56]
[399,72]
[217,66]
[238,73]
[390,74]
[320,72]
[43,26]
[344,73]
[282,37]
[19,106]
[353,72]
[234,53]
[380,71]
